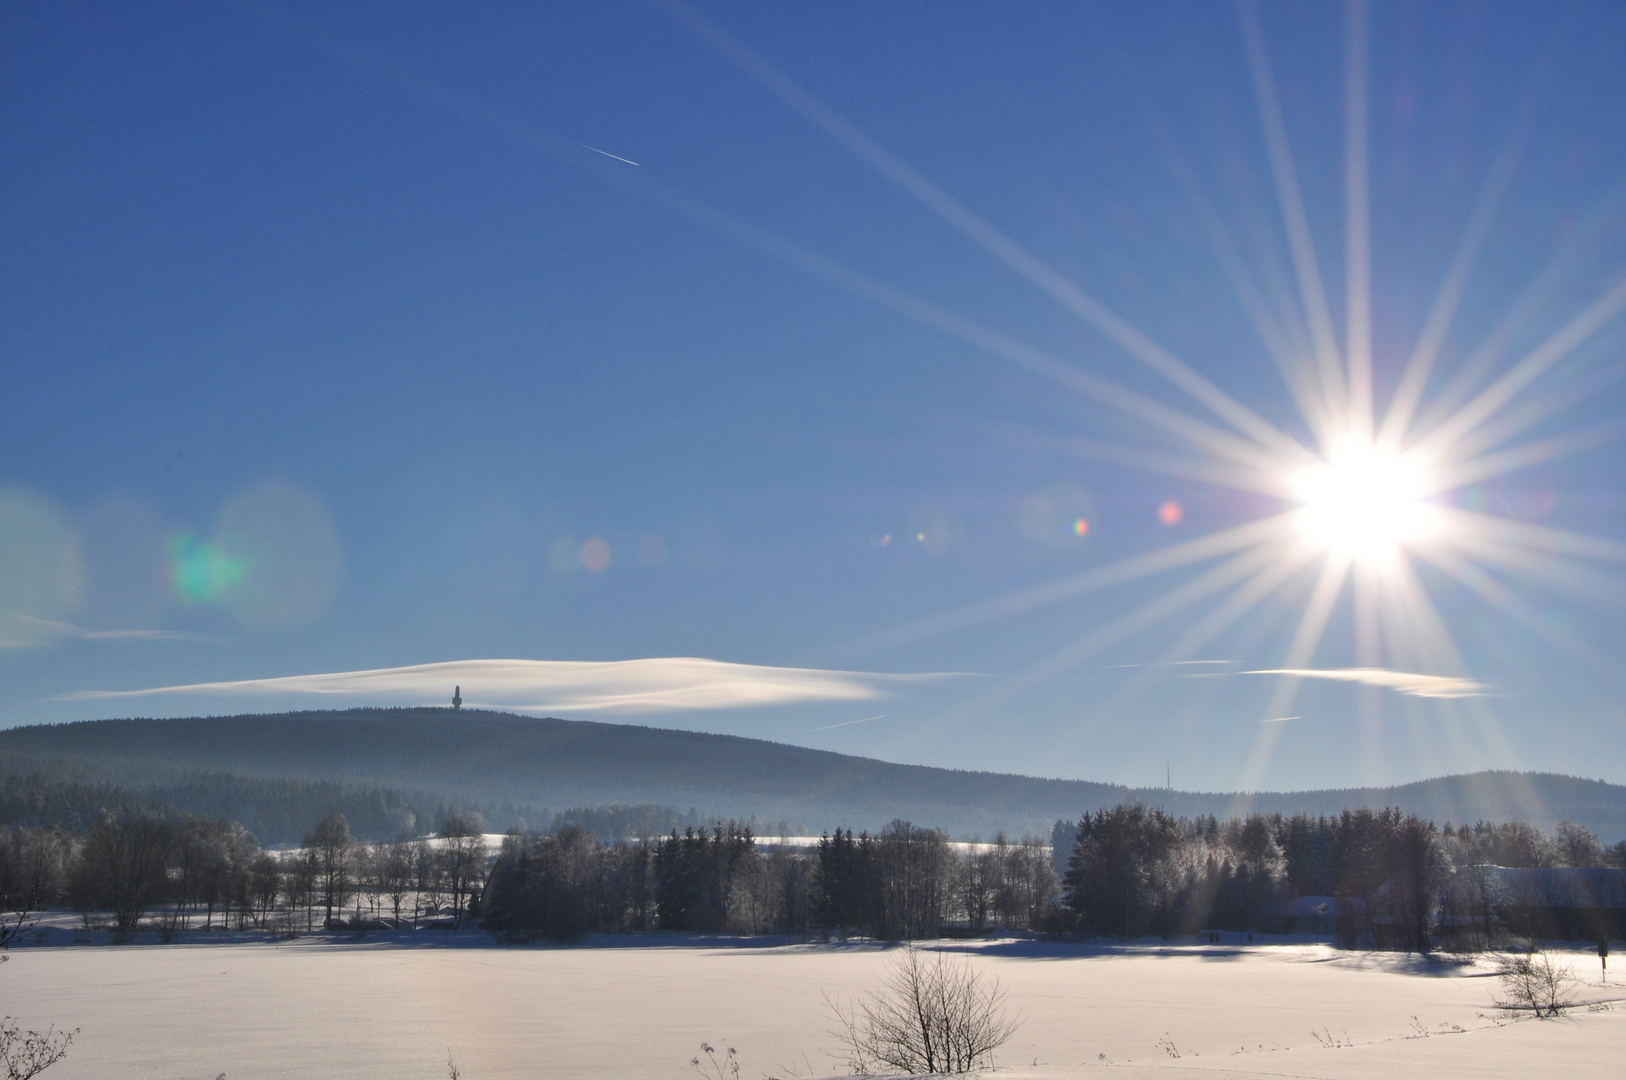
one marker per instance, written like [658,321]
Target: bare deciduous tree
[1577,845]
[934,1013]
[1535,981]
[428,880]
[393,867]
[334,854]
[464,854]
[123,867]
[299,884]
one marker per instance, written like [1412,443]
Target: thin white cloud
[663,684]
[19,631]
[146,635]
[1403,682]
[22,631]
[1174,663]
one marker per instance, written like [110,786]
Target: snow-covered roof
[1316,907]
[1554,886]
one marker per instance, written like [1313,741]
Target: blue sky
[331,344]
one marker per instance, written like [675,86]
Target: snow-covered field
[641,1007]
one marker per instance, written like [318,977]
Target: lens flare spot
[652,550]
[1081,527]
[42,576]
[563,555]
[1526,503]
[289,553]
[595,555]
[202,573]
[1170,513]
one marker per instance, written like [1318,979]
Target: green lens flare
[202,573]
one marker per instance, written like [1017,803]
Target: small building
[1575,903]
[1318,914]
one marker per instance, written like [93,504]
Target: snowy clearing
[328,1008]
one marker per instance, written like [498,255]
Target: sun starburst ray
[1521,314]
[1200,550]
[1036,361]
[1579,580]
[1408,392]
[983,233]
[1501,596]
[1286,348]
[1436,648]
[1502,462]
[1532,366]
[1216,473]
[1357,225]
[1284,562]
[1312,292]
[1414,634]
[1312,627]
[1514,421]
[1143,618]
[1464,526]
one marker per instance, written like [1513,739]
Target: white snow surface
[641,1006]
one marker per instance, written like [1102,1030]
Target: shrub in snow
[28,1053]
[1534,981]
[933,1014]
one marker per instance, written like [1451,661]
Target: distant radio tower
[457,698]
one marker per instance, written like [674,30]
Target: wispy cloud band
[662,684]
[23,631]
[1404,682]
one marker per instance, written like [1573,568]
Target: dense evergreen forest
[511,767]
[1382,877]
[275,811]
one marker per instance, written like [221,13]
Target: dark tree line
[629,821]
[278,811]
[1130,870]
[128,871]
[902,882]
[564,884]
[1133,870]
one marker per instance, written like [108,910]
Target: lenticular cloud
[1404,682]
[665,684]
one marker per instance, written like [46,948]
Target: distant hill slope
[275,811]
[490,758]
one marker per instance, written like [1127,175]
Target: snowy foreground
[641,1007]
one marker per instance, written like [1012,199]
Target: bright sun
[1364,503]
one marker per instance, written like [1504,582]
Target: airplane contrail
[1280,719]
[606,153]
[846,723]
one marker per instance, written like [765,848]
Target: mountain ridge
[540,762]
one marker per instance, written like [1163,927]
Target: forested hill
[489,758]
